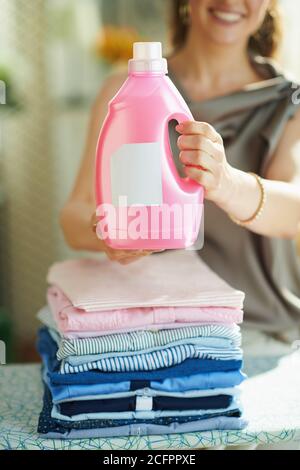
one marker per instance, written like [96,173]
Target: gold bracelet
[260,207]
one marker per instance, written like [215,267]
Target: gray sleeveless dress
[251,123]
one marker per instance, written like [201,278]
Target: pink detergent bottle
[142,202]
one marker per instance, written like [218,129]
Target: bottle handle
[186,182]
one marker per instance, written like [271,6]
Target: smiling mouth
[226,17]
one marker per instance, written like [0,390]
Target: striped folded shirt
[154,360]
[144,339]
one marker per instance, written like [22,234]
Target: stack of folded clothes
[150,348]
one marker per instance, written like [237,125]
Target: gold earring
[185,13]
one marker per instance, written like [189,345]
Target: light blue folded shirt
[203,382]
[64,395]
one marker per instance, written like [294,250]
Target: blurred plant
[114,44]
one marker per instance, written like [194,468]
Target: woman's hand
[124,256]
[121,256]
[203,155]
[238,192]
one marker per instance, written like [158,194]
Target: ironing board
[271,401]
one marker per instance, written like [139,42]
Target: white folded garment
[173,278]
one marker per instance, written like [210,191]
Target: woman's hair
[265,42]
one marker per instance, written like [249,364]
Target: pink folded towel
[170,279]
[71,319]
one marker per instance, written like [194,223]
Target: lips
[228,17]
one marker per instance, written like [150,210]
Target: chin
[225,39]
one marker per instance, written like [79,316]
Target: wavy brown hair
[265,42]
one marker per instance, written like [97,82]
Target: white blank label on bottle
[136,174]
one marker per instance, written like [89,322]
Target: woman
[247,157]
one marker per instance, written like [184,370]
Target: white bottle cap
[147,57]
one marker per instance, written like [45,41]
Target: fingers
[199,159]
[203,144]
[205,178]
[126,256]
[201,151]
[202,128]
[119,255]
[94,221]
[129,258]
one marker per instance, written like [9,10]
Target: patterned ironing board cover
[271,401]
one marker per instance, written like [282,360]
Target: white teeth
[229,17]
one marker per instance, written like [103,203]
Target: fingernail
[179,127]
